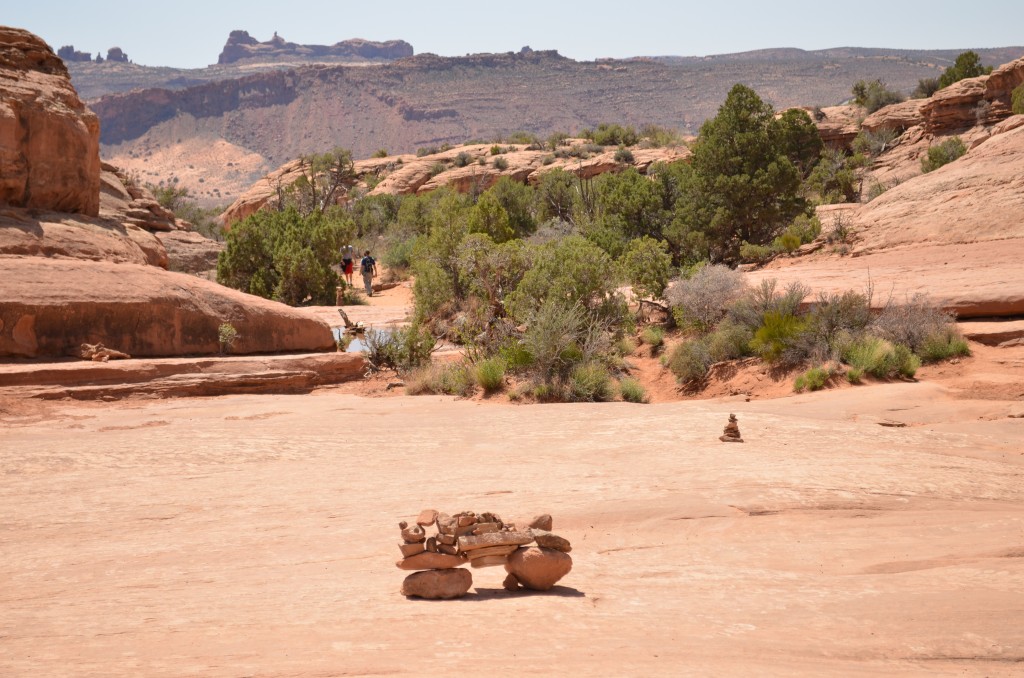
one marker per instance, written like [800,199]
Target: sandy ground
[256,535]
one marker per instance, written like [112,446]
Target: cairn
[731,434]
[533,557]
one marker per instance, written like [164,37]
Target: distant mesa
[115,54]
[241,46]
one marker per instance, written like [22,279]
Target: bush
[490,374]
[427,150]
[943,154]
[380,153]
[777,336]
[702,300]
[854,375]
[751,309]
[880,358]
[874,95]
[590,382]
[653,336]
[874,143]
[500,164]
[612,135]
[943,344]
[227,335]
[756,254]
[1018,100]
[437,168]
[926,87]
[632,391]
[625,347]
[729,341]
[624,155]
[452,379]
[647,265]
[912,323]
[398,348]
[689,361]
[813,379]
[463,159]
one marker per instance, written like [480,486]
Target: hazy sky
[191,33]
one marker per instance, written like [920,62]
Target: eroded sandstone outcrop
[241,45]
[49,139]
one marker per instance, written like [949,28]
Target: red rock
[538,568]
[60,304]
[470,543]
[551,541]
[427,517]
[430,561]
[411,549]
[542,522]
[49,139]
[438,584]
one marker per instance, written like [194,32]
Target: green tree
[967,65]
[556,195]
[744,185]
[647,266]
[519,202]
[633,198]
[322,179]
[286,256]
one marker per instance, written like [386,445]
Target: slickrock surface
[228,536]
[438,584]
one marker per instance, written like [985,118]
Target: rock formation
[79,260]
[49,140]
[482,540]
[731,434]
[241,45]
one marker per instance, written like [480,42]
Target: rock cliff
[49,140]
[241,46]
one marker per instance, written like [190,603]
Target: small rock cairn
[533,557]
[731,434]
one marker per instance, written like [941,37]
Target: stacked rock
[731,434]
[482,540]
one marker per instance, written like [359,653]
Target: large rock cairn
[533,557]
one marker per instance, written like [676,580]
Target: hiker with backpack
[368,267]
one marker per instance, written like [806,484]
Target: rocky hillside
[233,131]
[954,233]
[82,257]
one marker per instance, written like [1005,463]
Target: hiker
[347,264]
[368,267]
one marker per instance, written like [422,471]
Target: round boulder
[438,584]
[538,568]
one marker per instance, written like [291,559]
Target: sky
[191,33]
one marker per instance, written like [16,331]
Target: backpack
[366,266]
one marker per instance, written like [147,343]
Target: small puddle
[358,343]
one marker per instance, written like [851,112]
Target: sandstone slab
[469,543]
[430,561]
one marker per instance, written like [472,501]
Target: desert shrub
[653,336]
[689,361]
[462,159]
[876,189]
[612,135]
[437,168]
[432,290]
[655,136]
[589,382]
[729,341]
[500,164]
[399,348]
[943,344]
[227,335]
[455,379]
[625,347]
[832,319]
[632,391]
[943,154]
[806,228]
[756,303]
[813,379]
[777,336]
[1017,99]
[834,179]
[874,95]
[854,375]
[874,143]
[839,232]
[967,65]
[490,374]
[427,150]
[701,300]
[911,323]
[787,242]
[926,87]
[380,153]
[547,159]
[624,155]
[881,358]
[525,138]
[756,254]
